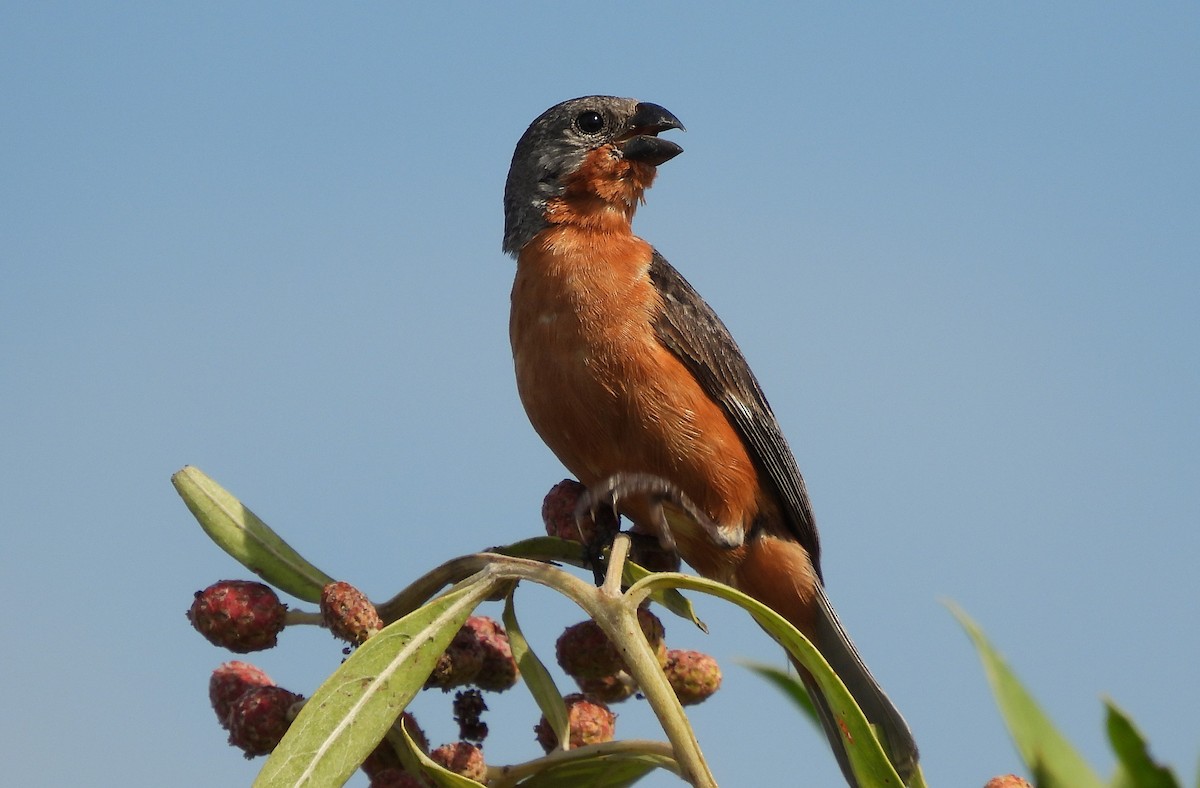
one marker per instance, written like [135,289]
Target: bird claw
[602,514]
[658,491]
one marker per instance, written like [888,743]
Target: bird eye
[589,121]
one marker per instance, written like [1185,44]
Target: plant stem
[614,612]
[503,776]
[616,566]
[295,617]
[427,585]
[617,616]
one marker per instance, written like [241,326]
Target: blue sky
[959,244]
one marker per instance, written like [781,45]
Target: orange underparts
[607,397]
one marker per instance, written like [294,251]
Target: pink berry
[348,613]
[241,615]
[229,682]
[461,758]
[259,719]
[613,688]
[499,671]
[558,515]
[694,676]
[1007,781]
[585,652]
[590,723]
[460,663]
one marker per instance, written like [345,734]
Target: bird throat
[603,194]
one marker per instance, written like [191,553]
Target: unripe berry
[1008,781]
[655,632]
[558,510]
[590,723]
[558,515]
[460,663]
[348,613]
[229,682]
[461,758]
[585,652]
[613,688]
[241,615]
[694,676]
[259,719]
[499,671]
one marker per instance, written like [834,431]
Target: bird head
[599,150]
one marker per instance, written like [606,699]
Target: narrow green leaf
[790,685]
[604,771]
[401,742]
[432,770]
[867,757]
[351,712]
[239,532]
[670,598]
[608,765]
[537,678]
[544,548]
[917,779]
[1046,752]
[1133,754]
[428,585]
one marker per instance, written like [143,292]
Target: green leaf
[440,775]
[867,757]
[1046,752]
[401,743]
[239,532]
[351,712]
[544,548]
[601,771]
[670,598]
[790,685]
[537,678]
[1136,767]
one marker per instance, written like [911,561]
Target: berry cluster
[249,705]
[245,616]
[587,655]
[563,518]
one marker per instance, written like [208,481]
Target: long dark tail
[834,644]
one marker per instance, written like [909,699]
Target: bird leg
[657,491]
[597,526]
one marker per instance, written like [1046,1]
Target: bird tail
[831,640]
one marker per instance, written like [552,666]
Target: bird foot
[657,491]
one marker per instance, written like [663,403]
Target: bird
[635,384]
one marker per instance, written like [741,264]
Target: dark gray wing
[693,332]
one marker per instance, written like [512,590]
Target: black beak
[652,118]
[644,145]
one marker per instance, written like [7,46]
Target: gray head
[556,144]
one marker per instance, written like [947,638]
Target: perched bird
[634,383]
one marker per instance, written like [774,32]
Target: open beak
[642,144]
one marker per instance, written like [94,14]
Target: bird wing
[692,331]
